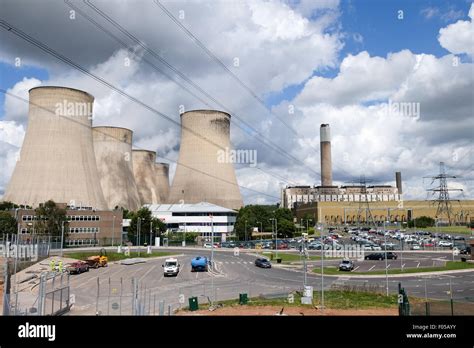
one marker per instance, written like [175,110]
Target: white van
[171,267]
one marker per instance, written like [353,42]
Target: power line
[136,147]
[188,80]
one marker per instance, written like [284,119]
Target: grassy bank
[450,265]
[113,256]
[334,299]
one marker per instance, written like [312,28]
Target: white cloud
[458,38]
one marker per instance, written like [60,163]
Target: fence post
[97,299]
[452,307]
[427,308]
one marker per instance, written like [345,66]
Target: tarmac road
[238,274]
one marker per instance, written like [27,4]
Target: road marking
[403,265]
[355,269]
[232,262]
[459,290]
[388,266]
[417,266]
[371,267]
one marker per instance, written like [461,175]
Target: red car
[77,267]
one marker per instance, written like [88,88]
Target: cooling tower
[144,172]
[113,153]
[326,162]
[162,181]
[57,158]
[202,173]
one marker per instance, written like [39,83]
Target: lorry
[199,263]
[171,267]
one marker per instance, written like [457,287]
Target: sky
[289,67]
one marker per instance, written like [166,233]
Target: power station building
[162,171]
[200,175]
[145,175]
[293,196]
[113,153]
[57,159]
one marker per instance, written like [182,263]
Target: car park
[263,263]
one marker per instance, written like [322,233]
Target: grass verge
[334,299]
[450,265]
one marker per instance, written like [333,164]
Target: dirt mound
[276,310]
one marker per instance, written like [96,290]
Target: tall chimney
[398,180]
[326,163]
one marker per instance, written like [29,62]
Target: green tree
[50,219]
[422,222]
[8,223]
[158,227]
[259,216]
[6,205]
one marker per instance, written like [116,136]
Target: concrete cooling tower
[113,153]
[201,174]
[162,181]
[57,158]
[144,172]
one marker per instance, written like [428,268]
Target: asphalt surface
[237,274]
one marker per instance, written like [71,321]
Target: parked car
[208,245]
[346,265]
[381,256]
[263,263]
[466,250]
[444,243]
[415,247]
[77,267]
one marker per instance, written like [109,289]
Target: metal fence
[450,307]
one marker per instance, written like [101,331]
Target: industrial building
[199,176]
[294,196]
[201,218]
[352,212]
[57,159]
[84,227]
[113,153]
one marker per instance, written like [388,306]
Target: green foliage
[50,219]
[5,205]
[146,221]
[178,236]
[259,216]
[422,222]
[7,223]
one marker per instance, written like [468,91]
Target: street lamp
[386,265]
[62,237]
[138,234]
[261,229]
[245,231]
[275,230]
[321,228]
[113,230]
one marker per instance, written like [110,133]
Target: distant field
[449,229]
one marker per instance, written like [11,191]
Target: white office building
[200,217]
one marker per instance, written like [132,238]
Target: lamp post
[151,232]
[321,228]
[62,237]
[113,230]
[245,231]
[138,234]
[386,265]
[261,229]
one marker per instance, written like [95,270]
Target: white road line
[388,266]
[403,265]
[371,267]
[459,290]
[232,262]
[417,266]
[355,269]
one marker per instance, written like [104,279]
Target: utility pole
[113,230]
[138,234]
[245,232]
[443,201]
[386,265]
[62,237]
[151,232]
